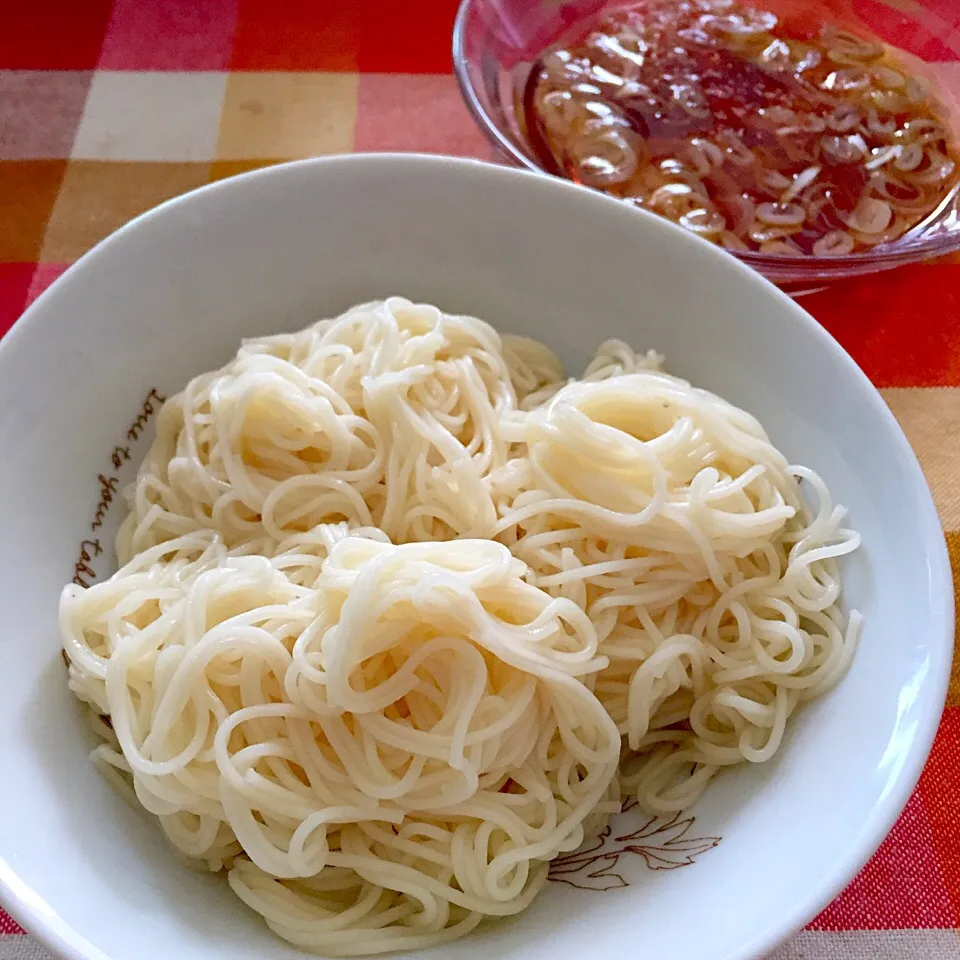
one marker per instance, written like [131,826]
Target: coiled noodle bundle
[666,514]
[387,416]
[405,744]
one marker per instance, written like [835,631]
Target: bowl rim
[41,920]
[799,267]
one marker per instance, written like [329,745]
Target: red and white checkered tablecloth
[108,107]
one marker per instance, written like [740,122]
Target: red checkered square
[14,284]
[393,41]
[901,888]
[902,327]
[299,35]
[423,113]
[939,790]
[8,924]
[169,35]
[53,34]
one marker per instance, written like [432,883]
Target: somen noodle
[402,614]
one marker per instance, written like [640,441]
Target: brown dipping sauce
[758,133]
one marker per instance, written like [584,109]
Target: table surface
[108,107]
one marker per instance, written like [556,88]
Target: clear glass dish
[496,44]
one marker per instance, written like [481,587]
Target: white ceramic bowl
[171,295]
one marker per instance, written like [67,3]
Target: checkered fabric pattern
[108,107]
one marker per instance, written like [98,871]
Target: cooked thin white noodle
[668,516]
[380,759]
[387,416]
[396,598]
